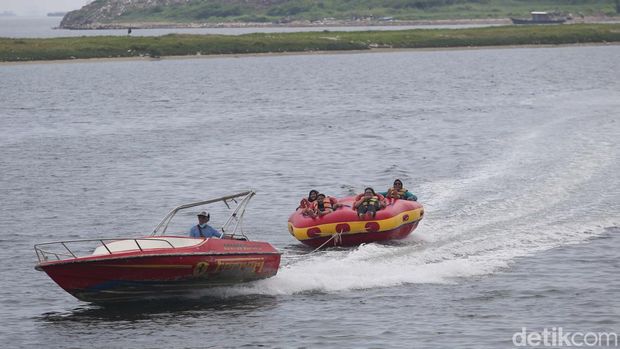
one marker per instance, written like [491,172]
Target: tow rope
[337,240]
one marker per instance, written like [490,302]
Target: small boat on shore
[344,228]
[159,265]
[539,17]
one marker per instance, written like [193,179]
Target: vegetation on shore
[182,45]
[397,9]
[108,13]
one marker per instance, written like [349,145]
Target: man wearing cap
[202,229]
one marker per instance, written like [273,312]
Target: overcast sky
[40,7]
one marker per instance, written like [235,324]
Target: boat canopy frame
[233,224]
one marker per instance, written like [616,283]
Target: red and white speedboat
[126,269]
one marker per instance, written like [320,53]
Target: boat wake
[552,185]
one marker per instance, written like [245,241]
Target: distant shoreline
[323,23]
[198,45]
[294,24]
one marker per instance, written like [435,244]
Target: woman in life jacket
[397,191]
[307,205]
[368,202]
[325,205]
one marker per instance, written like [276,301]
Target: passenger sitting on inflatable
[368,202]
[306,205]
[399,192]
[325,205]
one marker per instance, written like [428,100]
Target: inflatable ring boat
[344,228]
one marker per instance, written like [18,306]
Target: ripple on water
[518,177]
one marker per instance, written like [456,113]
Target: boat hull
[136,275]
[348,240]
[344,228]
[532,21]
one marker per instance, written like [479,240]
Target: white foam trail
[545,168]
[372,266]
[535,196]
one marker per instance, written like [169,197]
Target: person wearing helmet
[202,229]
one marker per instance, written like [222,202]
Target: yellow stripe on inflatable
[357,226]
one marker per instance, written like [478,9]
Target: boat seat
[146,243]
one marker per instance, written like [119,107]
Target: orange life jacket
[373,201]
[401,192]
[327,205]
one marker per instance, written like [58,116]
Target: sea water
[512,151]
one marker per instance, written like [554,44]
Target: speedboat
[344,228]
[539,17]
[127,269]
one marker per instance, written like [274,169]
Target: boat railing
[60,250]
[232,228]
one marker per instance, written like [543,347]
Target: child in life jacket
[368,202]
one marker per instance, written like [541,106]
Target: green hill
[284,11]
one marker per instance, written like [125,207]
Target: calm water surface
[44,27]
[513,152]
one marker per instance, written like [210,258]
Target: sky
[40,7]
